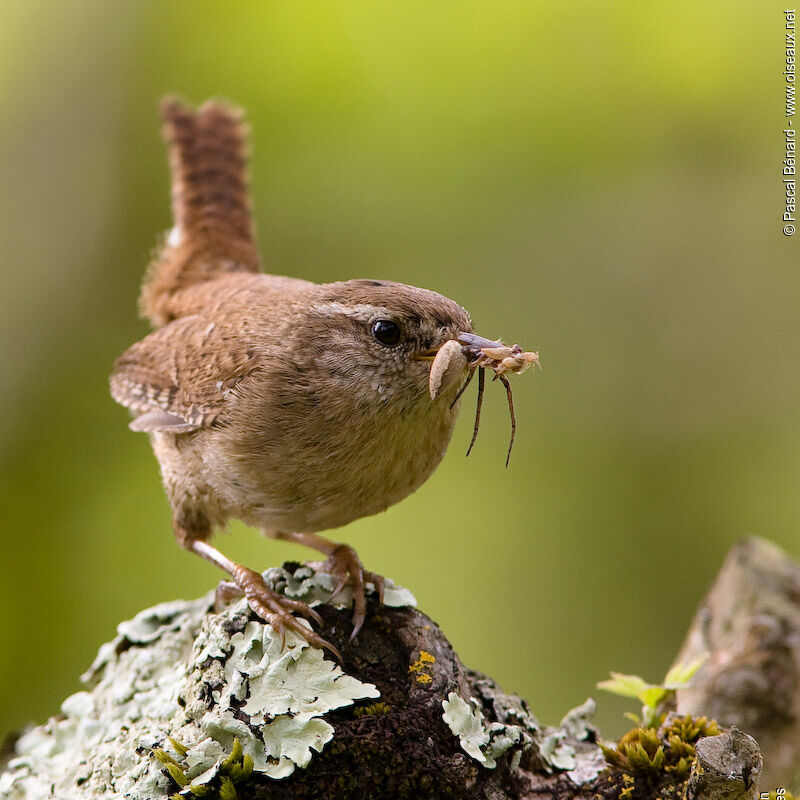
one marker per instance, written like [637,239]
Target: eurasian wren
[293,406]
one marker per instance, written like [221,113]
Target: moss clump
[234,771]
[658,758]
[373,709]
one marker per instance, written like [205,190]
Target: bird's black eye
[386,332]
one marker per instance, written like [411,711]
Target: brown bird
[293,406]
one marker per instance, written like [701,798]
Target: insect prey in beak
[478,353]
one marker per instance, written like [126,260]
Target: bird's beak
[472,353]
[451,359]
[471,344]
[468,350]
[474,344]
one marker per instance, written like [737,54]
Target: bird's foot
[343,563]
[274,608]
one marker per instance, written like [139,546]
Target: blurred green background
[600,182]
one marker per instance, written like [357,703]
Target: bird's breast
[317,470]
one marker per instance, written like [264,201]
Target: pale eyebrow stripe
[363,312]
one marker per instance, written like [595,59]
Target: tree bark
[749,624]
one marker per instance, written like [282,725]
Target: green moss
[658,758]
[378,709]
[234,772]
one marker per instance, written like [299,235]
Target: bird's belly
[359,473]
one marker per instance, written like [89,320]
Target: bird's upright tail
[213,224]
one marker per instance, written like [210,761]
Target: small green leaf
[624,685]
[652,695]
[680,675]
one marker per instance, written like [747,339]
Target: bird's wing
[179,377]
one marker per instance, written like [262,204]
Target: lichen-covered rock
[187,701]
[183,682]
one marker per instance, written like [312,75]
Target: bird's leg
[277,610]
[342,563]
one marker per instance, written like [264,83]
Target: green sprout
[652,696]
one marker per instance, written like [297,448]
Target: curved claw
[341,583]
[323,644]
[359,604]
[299,607]
[279,611]
[344,564]
[378,582]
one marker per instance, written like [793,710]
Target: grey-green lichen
[570,748]
[192,686]
[484,742]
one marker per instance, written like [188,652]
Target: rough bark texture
[212,701]
[726,767]
[749,624]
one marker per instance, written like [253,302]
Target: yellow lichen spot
[419,668]
[421,663]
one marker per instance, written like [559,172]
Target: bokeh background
[600,182]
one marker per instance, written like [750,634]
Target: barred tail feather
[213,231]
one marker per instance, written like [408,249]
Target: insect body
[479,353]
